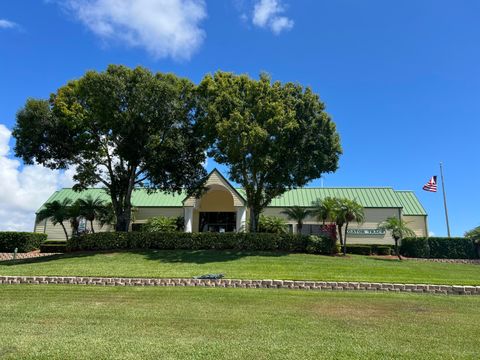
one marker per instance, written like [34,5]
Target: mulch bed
[29,255]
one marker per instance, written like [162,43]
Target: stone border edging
[448,261]
[237,283]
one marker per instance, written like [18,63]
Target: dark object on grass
[210,276]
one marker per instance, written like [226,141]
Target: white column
[188,218]
[241,218]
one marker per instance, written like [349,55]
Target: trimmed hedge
[369,249]
[201,241]
[359,249]
[439,248]
[53,246]
[23,241]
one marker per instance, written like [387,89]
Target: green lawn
[247,266]
[73,322]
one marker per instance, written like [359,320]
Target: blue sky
[400,79]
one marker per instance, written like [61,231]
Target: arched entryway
[216,211]
[221,208]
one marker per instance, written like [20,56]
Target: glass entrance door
[218,221]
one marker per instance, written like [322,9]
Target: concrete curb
[237,283]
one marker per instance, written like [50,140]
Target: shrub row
[361,249]
[203,241]
[439,248]
[23,241]
[53,246]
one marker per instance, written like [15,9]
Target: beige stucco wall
[55,232]
[417,223]
[144,213]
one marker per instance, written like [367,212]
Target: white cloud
[164,28]
[431,233]
[24,190]
[268,14]
[7,24]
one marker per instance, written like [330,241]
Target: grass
[243,265]
[72,322]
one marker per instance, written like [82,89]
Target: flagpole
[444,199]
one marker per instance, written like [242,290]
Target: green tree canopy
[272,136]
[121,128]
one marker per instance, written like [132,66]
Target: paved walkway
[236,283]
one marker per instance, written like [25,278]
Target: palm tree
[324,209]
[57,212]
[298,214]
[91,208]
[399,229]
[74,215]
[352,211]
[474,235]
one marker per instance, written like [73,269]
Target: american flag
[431,185]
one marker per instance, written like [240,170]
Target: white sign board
[366,232]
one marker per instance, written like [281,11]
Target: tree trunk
[64,230]
[340,235]
[397,252]
[91,225]
[345,241]
[254,216]
[123,221]
[299,227]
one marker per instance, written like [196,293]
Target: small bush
[322,245]
[272,224]
[382,249]
[359,249]
[200,241]
[160,224]
[439,248]
[23,241]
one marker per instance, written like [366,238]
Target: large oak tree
[272,136]
[121,128]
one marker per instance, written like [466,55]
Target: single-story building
[222,208]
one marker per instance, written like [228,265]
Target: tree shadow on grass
[48,258]
[204,256]
[161,256]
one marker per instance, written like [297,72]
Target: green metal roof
[140,197]
[374,197]
[410,203]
